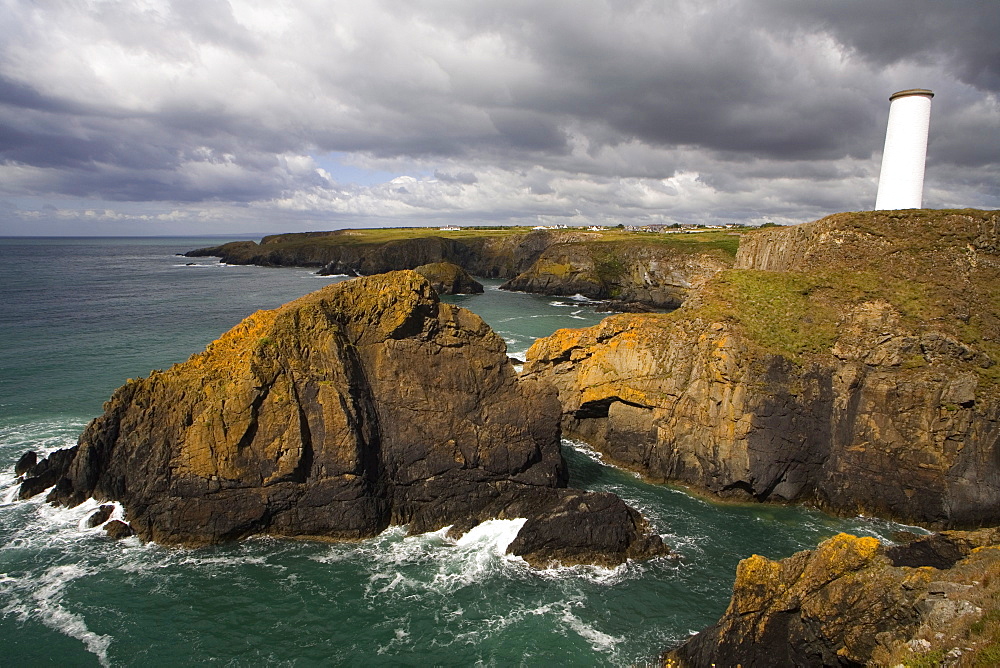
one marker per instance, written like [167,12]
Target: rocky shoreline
[854,602]
[848,363]
[635,272]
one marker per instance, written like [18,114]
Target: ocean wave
[400,566]
[41,598]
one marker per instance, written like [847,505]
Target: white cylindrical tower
[901,181]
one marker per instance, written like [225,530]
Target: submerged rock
[364,404]
[101,515]
[117,530]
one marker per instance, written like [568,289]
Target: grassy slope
[919,265]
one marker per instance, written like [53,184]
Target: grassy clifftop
[794,290]
[313,248]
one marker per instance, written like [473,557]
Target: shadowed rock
[25,463]
[364,404]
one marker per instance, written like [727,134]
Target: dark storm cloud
[883,33]
[593,109]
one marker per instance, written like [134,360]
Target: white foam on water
[44,525]
[599,641]
[44,603]
[402,566]
[9,487]
[401,637]
[598,575]
[44,436]
[586,450]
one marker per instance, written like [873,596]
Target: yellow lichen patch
[558,269]
[841,554]
[758,583]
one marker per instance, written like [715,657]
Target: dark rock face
[449,279]
[847,603]
[25,463]
[884,414]
[117,530]
[46,473]
[365,404]
[648,274]
[100,516]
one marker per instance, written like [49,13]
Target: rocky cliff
[654,270]
[847,362]
[854,602]
[646,272]
[296,423]
[501,254]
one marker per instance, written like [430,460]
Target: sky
[160,117]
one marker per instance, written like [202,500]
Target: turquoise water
[79,316]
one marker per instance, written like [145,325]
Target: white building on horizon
[901,180]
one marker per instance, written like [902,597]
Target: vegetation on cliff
[649,268]
[847,362]
[937,270]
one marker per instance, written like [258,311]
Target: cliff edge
[364,404]
[847,362]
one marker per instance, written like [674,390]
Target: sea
[79,316]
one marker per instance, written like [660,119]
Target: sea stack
[365,404]
[901,181]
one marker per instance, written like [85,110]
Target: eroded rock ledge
[854,602]
[364,404]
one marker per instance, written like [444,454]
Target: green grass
[927,660]
[693,242]
[796,313]
[382,235]
[775,310]
[727,242]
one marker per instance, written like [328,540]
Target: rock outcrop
[656,271]
[449,279]
[855,371]
[364,404]
[647,273]
[500,255]
[852,602]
